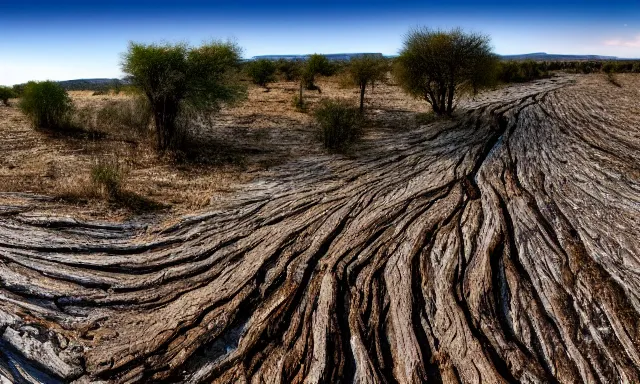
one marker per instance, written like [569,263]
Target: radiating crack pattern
[498,247]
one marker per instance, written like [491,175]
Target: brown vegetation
[243,142]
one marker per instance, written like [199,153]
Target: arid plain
[500,245]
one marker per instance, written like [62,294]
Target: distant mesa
[331,56]
[91,84]
[542,56]
[537,56]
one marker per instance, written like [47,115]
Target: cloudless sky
[63,39]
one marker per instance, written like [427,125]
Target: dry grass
[240,144]
[121,118]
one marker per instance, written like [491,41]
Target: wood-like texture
[502,246]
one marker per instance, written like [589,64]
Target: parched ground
[245,141]
[498,247]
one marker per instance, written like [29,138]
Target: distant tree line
[6,93]
[183,83]
[528,70]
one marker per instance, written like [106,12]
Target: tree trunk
[161,131]
[450,93]
[301,100]
[164,115]
[498,248]
[434,102]
[443,99]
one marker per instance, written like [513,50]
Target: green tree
[6,93]
[180,81]
[46,104]
[18,89]
[262,71]
[364,70]
[435,65]
[289,69]
[315,65]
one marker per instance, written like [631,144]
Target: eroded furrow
[501,246]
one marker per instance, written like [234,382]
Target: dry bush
[106,181]
[340,124]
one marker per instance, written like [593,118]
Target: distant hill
[331,56]
[537,56]
[89,84]
[542,56]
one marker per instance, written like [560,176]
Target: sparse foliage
[289,69]
[46,104]
[262,72]
[183,82]
[6,93]
[315,65]
[521,71]
[340,124]
[18,89]
[437,65]
[366,70]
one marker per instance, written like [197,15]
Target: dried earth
[499,247]
[244,142]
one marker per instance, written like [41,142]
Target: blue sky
[63,39]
